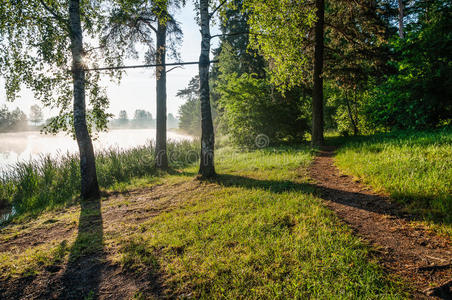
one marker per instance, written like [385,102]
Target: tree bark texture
[317,93]
[161,157]
[89,185]
[401,15]
[206,168]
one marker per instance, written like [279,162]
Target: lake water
[22,146]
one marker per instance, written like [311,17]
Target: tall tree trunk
[317,93]
[206,168]
[401,15]
[356,113]
[90,187]
[350,115]
[161,158]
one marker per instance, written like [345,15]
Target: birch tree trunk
[89,185]
[161,158]
[317,93]
[206,168]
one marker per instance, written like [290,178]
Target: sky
[137,87]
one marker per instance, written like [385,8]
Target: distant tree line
[12,120]
[17,120]
[141,119]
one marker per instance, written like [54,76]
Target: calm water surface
[23,146]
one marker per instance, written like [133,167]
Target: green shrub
[252,109]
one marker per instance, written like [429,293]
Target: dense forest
[318,161]
[386,67]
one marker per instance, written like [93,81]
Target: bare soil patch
[413,253]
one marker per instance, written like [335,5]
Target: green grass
[415,168]
[256,232]
[34,186]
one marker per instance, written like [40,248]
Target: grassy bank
[415,168]
[46,183]
[255,232]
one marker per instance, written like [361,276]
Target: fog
[26,145]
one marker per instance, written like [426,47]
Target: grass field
[254,232]
[415,168]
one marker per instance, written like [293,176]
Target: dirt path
[411,252]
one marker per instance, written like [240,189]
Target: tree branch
[93,49]
[346,36]
[147,22]
[54,13]
[228,34]
[238,33]
[148,66]
[217,8]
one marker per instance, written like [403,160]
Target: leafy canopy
[280,31]
[35,52]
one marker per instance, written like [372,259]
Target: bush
[251,109]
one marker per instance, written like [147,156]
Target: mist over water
[23,146]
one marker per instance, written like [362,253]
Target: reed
[48,182]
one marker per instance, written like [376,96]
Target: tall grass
[415,168]
[33,186]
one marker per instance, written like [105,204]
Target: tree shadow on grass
[369,202]
[86,263]
[275,186]
[88,266]
[82,275]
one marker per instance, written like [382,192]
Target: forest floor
[271,225]
[410,251]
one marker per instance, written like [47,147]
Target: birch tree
[401,16]
[43,48]
[206,167]
[139,22]
[317,92]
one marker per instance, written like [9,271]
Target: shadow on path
[420,257]
[409,252]
[366,201]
